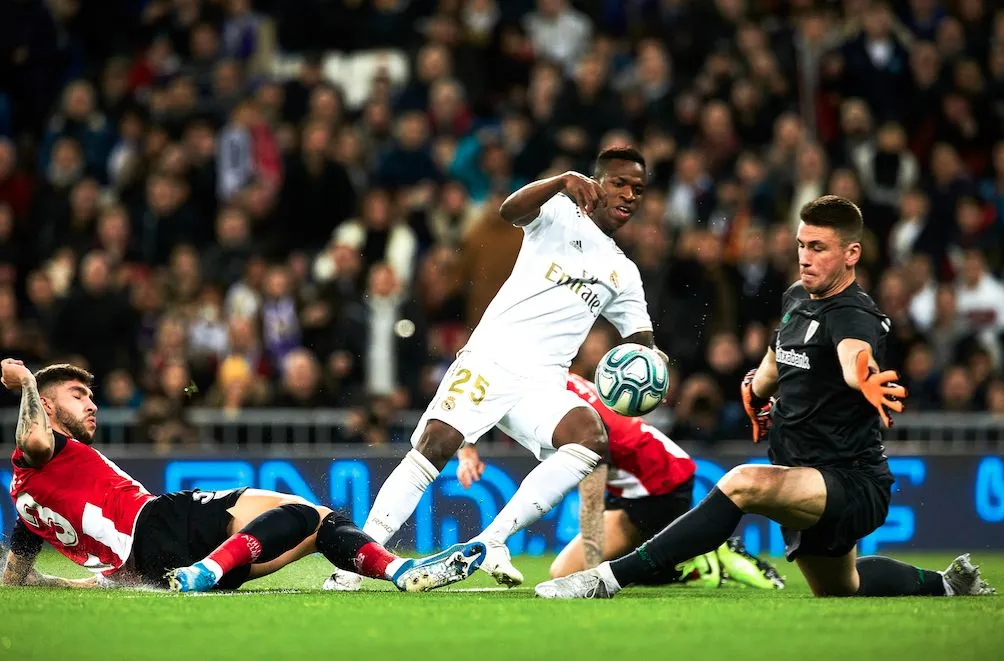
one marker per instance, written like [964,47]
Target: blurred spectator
[980,300]
[558,32]
[80,120]
[224,261]
[120,391]
[317,193]
[956,390]
[920,377]
[15,184]
[408,162]
[96,322]
[280,323]
[380,236]
[385,337]
[301,382]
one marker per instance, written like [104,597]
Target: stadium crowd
[286,203]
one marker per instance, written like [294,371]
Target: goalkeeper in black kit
[820,400]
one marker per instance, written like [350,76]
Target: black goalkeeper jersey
[819,420]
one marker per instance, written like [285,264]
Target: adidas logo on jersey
[576,244]
[793,358]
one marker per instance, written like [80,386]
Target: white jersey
[567,274]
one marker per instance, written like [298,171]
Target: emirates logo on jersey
[582,287]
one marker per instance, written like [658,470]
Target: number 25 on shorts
[477,391]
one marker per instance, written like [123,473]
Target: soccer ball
[632,379]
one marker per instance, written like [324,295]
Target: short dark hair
[53,375]
[617,154]
[837,212]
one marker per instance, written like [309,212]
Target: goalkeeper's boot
[195,578]
[704,571]
[498,563]
[445,568]
[963,578]
[343,581]
[596,583]
[741,566]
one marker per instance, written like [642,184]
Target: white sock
[542,489]
[399,496]
[392,568]
[607,576]
[949,592]
[214,567]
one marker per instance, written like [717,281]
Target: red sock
[372,559]
[241,549]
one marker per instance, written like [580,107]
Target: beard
[77,427]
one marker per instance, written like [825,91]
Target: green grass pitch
[285,616]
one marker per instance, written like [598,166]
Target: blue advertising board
[939,502]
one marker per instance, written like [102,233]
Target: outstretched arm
[591,506]
[20,571]
[33,434]
[861,372]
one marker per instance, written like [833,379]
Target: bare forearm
[20,570]
[523,206]
[765,381]
[17,569]
[591,491]
[33,434]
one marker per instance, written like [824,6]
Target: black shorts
[181,528]
[650,514]
[857,502]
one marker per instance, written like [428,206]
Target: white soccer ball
[632,379]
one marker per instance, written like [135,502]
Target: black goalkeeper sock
[885,577]
[699,531]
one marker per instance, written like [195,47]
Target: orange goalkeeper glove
[879,388]
[757,408]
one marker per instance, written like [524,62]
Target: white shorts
[477,394]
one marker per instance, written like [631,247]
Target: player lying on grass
[511,374]
[70,495]
[830,483]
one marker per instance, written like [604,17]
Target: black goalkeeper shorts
[650,514]
[179,529]
[857,502]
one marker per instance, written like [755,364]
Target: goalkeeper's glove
[879,388]
[757,408]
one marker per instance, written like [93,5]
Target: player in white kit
[512,373]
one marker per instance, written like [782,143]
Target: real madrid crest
[449,403]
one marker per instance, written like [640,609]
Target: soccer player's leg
[620,537]
[471,399]
[826,553]
[269,530]
[264,528]
[795,497]
[569,439]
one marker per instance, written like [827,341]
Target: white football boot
[596,583]
[343,581]
[963,577]
[499,564]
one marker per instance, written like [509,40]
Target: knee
[589,432]
[439,443]
[745,485]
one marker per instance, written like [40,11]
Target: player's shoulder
[796,292]
[854,298]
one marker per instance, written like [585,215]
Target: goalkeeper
[830,483]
